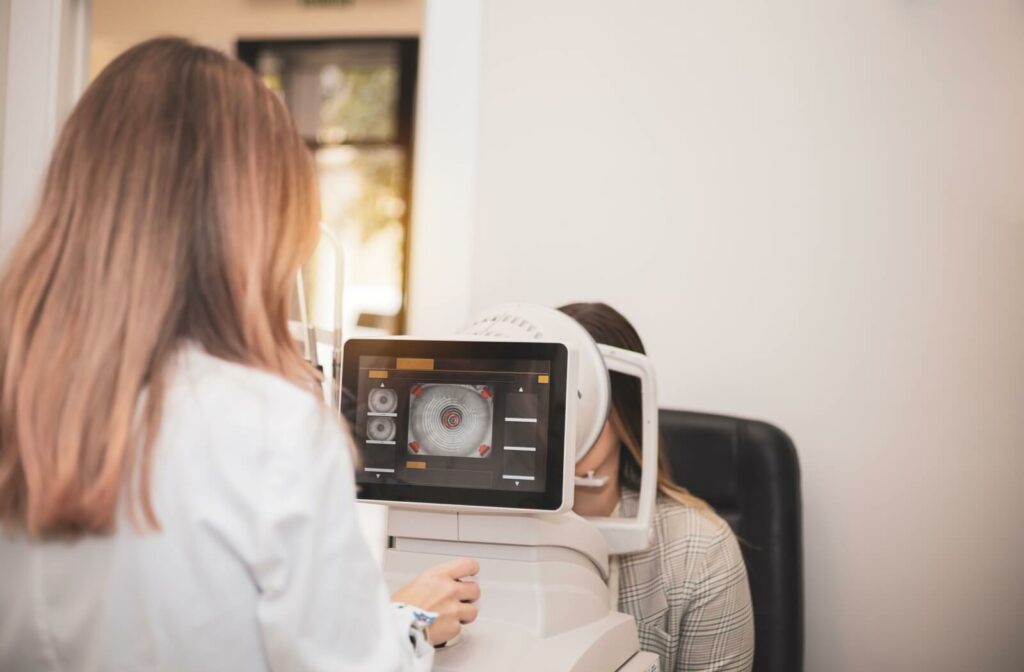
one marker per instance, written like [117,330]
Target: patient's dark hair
[606,325]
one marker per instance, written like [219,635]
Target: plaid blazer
[688,592]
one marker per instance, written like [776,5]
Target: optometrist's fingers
[467,613]
[459,568]
[468,591]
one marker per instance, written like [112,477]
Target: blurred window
[352,100]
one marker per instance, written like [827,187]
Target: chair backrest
[749,472]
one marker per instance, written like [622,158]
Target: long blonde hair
[178,205]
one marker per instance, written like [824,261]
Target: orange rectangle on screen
[414,364]
[415,465]
[378,374]
[543,379]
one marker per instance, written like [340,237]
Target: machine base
[643,661]
[608,645]
[544,604]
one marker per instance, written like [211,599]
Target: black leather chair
[749,472]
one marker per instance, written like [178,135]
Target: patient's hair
[606,325]
[178,205]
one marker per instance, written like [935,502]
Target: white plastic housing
[531,322]
[629,535]
[525,321]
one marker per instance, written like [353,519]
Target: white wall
[447,134]
[814,213]
[5,40]
[45,44]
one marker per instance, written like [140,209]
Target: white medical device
[524,321]
[471,442]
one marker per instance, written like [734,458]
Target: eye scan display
[453,422]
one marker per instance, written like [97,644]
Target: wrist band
[417,621]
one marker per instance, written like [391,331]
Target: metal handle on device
[339,296]
[628,535]
[310,335]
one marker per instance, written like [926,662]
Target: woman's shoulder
[241,433]
[234,401]
[690,540]
[694,606]
[202,372]
[693,521]
[676,520]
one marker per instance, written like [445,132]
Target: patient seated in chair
[688,591]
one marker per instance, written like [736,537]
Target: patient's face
[603,456]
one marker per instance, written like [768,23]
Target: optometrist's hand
[447,590]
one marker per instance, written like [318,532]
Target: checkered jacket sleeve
[689,592]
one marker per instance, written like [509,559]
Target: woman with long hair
[173,495]
[688,591]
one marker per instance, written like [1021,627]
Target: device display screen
[478,423]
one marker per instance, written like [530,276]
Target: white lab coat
[259,563]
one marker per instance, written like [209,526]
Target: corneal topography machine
[472,443]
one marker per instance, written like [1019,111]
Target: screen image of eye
[451,420]
[381,429]
[382,400]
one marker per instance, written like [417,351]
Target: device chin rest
[591,481]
